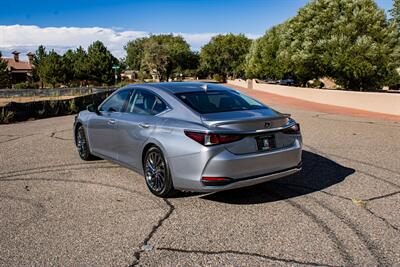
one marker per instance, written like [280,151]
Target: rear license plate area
[265,143]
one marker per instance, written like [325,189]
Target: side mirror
[93,108]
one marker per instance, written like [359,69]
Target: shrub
[26,85]
[315,84]
[218,78]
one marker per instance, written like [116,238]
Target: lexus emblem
[267,124]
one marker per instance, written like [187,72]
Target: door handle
[143,125]
[111,122]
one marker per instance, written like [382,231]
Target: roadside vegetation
[350,42]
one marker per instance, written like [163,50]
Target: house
[21,71]
[129,75]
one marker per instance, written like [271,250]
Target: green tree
[262,61]
[68,60]
[164,55]
[155,58]
[225,55]
[348,40]
[40,54]
[99,63]
[393,78]
[81,65]
[135,52]
[51,69]
[5,79]
[395,13]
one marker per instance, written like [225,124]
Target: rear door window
[144,102]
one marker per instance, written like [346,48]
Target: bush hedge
[15,112]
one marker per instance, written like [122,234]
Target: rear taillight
[294,129]
[211,139]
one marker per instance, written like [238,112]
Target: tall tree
[395,13]
[262,60]
[100,62]
[135,52]
[40,54]
[5,79]
[155,58]
[393,78]
[164,55]
[51,69]
[81,65]
[68,60]
[356,48]
[225,55]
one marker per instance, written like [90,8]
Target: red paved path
[273,99]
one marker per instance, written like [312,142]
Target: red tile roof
[18,65]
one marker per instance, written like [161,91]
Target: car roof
[181,87]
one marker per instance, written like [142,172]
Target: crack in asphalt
[383,196]
[137,254]
[382,218]
[243,253]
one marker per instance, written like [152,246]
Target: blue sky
[118,20]
[157,15]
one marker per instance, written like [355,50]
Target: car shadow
[317,174]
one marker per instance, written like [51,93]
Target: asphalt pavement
[342,209]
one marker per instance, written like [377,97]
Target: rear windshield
[218,101]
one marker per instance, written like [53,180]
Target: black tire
[157,174]
[82,145]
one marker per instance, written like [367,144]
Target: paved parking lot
[341,209]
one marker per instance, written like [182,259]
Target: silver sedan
[190,137]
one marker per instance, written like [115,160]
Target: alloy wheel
[155,171]
[81,142]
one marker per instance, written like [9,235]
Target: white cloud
[26,38]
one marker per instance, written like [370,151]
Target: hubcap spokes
[155,171]
[81,143]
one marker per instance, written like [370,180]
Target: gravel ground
[342,209]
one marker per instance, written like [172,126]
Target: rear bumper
[242,170]
[253,180]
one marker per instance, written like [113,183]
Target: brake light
[294,129]
[210,139]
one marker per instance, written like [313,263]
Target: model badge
[267,124]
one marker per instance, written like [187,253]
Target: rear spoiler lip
[281,116]
[268,130]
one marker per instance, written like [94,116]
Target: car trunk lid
[245,121]
[252,125]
